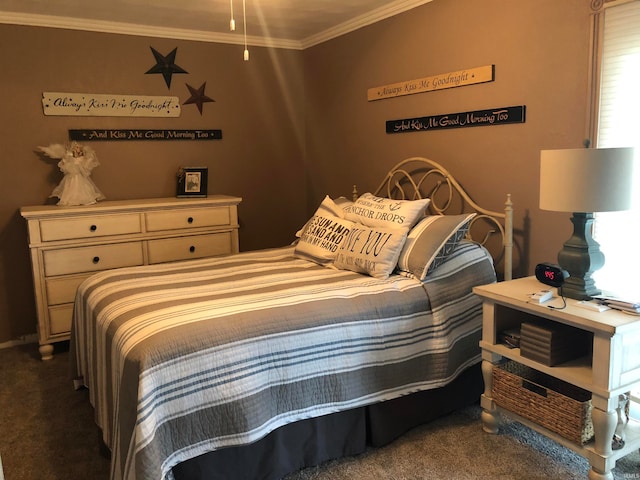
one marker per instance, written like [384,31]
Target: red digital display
[551,274]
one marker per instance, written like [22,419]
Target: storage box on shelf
[608,367]
[69,244]
[552,343]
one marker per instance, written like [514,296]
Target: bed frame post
[508,238]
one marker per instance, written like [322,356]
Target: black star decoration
[165,65]
[197,96]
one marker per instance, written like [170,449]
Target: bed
[257,364]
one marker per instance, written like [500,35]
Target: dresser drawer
[187,218]
[63,289]
[65,261]
[185,248]
[89,226]
[60,319]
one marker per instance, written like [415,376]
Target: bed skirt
[311,442]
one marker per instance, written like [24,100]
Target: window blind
[619,126]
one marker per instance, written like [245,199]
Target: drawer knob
[96,259]
[190,220]
[192,249]
[93,228]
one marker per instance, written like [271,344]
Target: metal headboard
[417,177]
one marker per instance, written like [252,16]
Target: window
[618,125]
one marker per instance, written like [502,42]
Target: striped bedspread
[189,357]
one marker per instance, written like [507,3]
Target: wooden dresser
[68,244]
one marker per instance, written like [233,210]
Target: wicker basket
[556,405]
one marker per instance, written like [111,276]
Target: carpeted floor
[47,433]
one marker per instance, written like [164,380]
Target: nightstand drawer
[92,259]
[63,289]
[185,248]
[187,218]
[89,226]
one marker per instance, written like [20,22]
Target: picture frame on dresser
[192,182]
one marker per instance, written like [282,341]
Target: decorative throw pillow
[431,241]
[343,203]
[371,250]
[386,212]
[328,206]
[321,236]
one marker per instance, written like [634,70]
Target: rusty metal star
[197,96]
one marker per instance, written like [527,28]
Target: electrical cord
[564,301]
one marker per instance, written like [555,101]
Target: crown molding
[70,23]
[393,8]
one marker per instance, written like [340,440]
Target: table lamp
[584,181]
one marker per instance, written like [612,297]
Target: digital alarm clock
[551,274]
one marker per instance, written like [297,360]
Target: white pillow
[371,250]
[343,203]
[386,212]
[321,236]
[431,241]
[329,206]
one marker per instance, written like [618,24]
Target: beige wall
[258,106]
[540,52]
[297,125]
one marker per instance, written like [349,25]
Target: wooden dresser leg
[46,351]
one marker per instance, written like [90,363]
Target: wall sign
[477,118]
[436,82]
[123,135]
[108,105]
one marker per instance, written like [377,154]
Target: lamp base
[578,289]
[581,257]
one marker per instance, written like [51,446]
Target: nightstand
[611,368]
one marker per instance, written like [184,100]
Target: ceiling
[295,24]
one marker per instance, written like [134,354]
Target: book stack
[619,304]
[510,337]
[552,343]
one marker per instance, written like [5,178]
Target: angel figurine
[76,162]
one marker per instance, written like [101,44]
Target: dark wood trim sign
[476,118]
[129,135]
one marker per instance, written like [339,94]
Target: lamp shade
[586,179]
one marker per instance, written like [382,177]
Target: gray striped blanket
[185,358]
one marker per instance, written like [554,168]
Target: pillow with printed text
[334,207]
[371,250]
[322,235]
[375,211]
